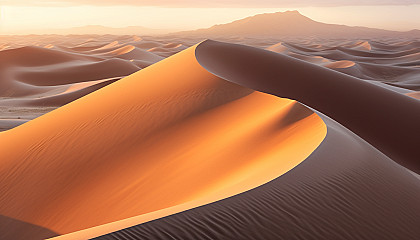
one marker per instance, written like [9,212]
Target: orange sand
[169,136]
[414,95]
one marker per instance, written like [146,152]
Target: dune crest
[339,96]
[345,172]
[132,176]
[414,95]
[278,47]
[340,64]
[174,150]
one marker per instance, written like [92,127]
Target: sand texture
[173,137]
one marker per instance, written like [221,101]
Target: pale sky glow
[21,18]
[212,3]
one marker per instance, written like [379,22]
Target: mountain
[289,23]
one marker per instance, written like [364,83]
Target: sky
[41,16]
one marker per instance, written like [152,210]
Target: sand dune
[362,45]
[107,47]
[196,104]
[278,47]
[130,52]
[331,175]
[148,44]
[340,64]
[109,68]
[31,56]
[347,96]
[180,149]
[345,190]
[414,95]
[40,77]
[68,94]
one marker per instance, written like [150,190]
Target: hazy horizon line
[159,31]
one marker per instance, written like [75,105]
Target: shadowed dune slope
[14,229]
[32,56]
[171,136]
[136,159]
[78,73]
[131,52]
[33,78]
[344,190]
[354,103]
[73,92]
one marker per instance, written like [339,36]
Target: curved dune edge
[88,163]
[340,64]
[352,102]
[345,190]
[415,95]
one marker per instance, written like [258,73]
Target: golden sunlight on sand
[214,140]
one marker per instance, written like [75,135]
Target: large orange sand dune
[345,189]
[156,154]
[170,134]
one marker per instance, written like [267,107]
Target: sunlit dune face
[414,95]
[123,50]
[278,47]
[170,135]
[340,64]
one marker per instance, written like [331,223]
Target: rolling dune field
[179,137]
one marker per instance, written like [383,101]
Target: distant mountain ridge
[289,23]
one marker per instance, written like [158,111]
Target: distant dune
[37,79]
[337,188]
[99,29]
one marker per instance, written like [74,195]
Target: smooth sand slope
[34,80]
[414,95]
[389,126]
[346,189]
[38,72]
[171,135]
